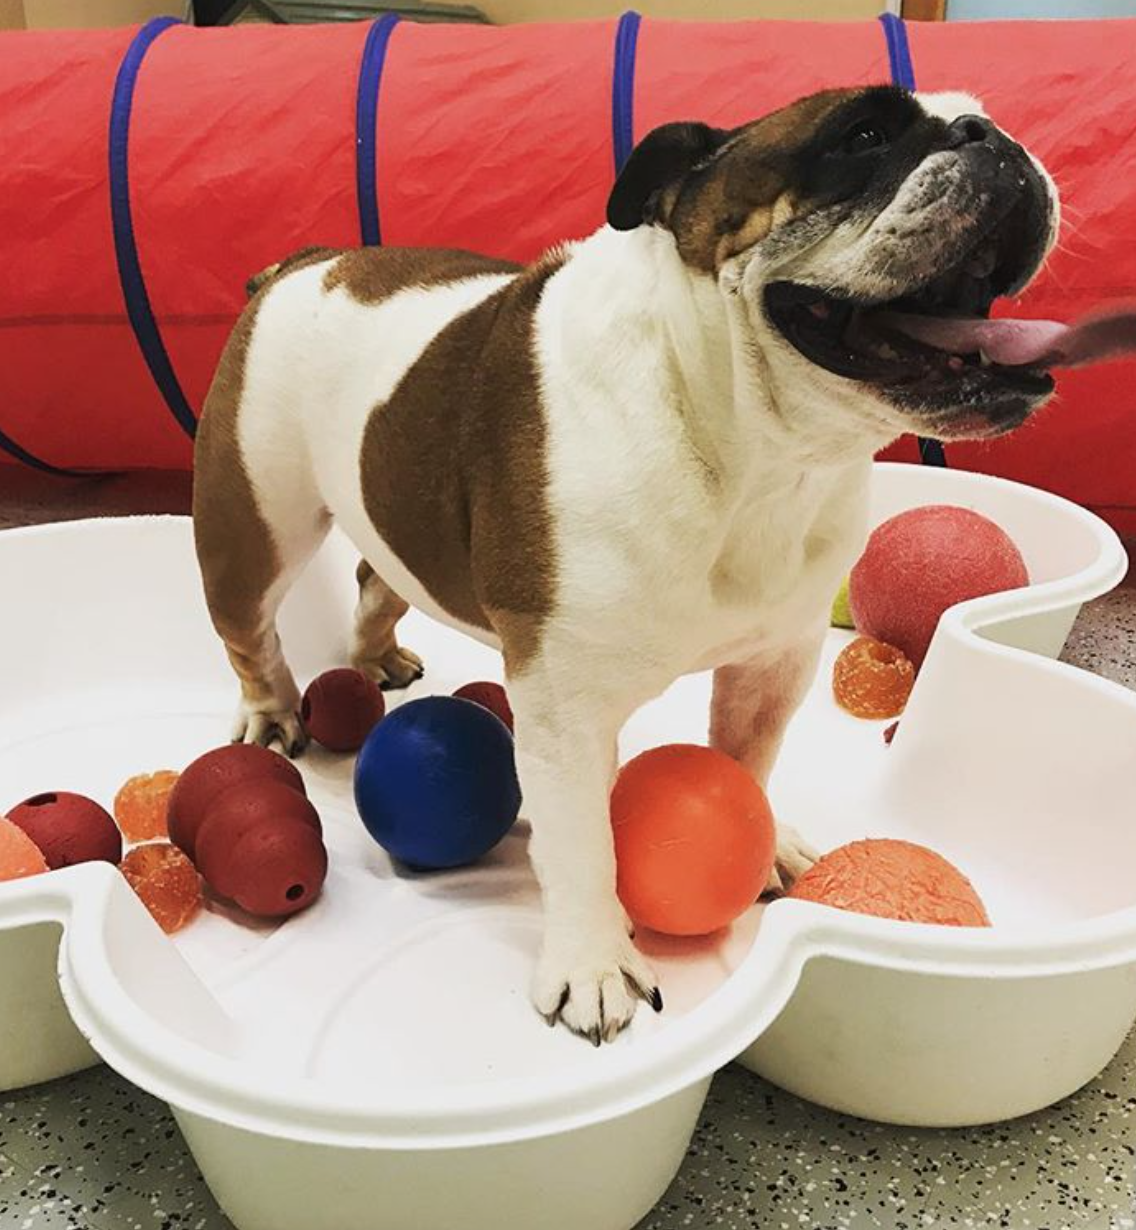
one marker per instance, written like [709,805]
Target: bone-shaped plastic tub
[374,1064]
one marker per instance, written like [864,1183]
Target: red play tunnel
[145,174]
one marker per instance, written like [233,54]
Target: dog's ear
[658,163]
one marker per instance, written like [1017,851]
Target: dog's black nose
[969,130]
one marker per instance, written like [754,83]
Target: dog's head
[868,232]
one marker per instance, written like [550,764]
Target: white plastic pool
[374,1064]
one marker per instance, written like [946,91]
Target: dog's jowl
[644,455]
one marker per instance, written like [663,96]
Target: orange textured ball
[871,679]
[893,879]
[694,839]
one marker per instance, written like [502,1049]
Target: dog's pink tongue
[1025,343]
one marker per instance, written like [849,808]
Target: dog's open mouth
[940,335]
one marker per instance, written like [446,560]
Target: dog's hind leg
[377,652]
[258,519]
[752,705]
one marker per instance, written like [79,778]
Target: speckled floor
[93,1153]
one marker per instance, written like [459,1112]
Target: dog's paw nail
[551,1018]
[656,1000]
[594,1036]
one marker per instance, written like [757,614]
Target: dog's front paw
[283,726]
[397,668]
[592,984]
[794,857]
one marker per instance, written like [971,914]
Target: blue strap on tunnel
[9,446]
[899,52]
[931,452]
[138,309]
[366,126]
[623,89]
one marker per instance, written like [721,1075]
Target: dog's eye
[862,138]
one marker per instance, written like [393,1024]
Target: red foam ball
[69,828]
[491,696]
[260,844]
[694,839]
[214,772]
[893,879]
[922,561]
[340,708]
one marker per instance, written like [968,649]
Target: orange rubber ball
[893,879]
[694,839]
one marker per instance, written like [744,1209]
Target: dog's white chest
[778,570]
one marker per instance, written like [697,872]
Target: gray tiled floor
[93,1153]
[760,1158]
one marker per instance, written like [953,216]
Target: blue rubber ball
[436,782]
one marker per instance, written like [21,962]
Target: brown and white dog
[644,455]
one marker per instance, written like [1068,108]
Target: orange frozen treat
[19,855]
[871,679]
[141,804]
[166,882]
[893,879]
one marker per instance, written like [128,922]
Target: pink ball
[922,561]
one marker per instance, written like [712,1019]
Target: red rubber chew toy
[922,561]
[19,855]
[340,707]
[68,829]
[260,845]
[491,696]
[893,879]
[694,839]
[214,772]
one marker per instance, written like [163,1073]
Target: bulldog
[645,454]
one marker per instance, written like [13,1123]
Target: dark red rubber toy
[69,828]
[491,696]
[260,845]
[214,772]
[341,707]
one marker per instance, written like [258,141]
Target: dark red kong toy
[242,815]
[260,844]
[215,772]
